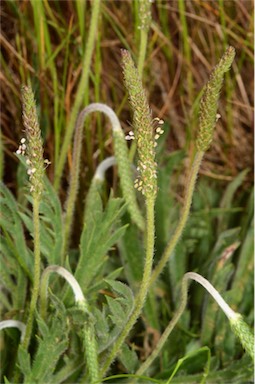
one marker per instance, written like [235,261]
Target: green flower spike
[31,146]
[143,124]
[243,332]
[208,118]
[209,101]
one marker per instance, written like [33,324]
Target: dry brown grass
[166,72]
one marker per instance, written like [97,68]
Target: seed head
[33,148]
[143,126]
[209,103]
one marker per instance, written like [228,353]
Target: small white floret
[31,171]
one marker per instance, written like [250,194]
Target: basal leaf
[51,347]
[13,229]
[118,315]
[24,361]
[128,358]
[96,240]
[124,291]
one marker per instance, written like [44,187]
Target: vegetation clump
[96,273]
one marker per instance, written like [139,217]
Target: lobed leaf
[51,346]
[98,236]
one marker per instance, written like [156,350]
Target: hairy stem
[142,294]
[37,261]
[91,352]
[183,217]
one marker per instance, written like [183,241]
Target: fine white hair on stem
[100,107]
[103,167]
[14,324]
[213,292]
[78,295]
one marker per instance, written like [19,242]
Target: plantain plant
[77,337]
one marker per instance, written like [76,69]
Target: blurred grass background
[44,42]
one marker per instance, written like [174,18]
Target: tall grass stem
[187,54]
[145,22]
[80,92]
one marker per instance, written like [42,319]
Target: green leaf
[93,207]
[101,326]
[165,208]
[51,227]
[124,290]
[193,362]
[98,236]
[12,275]
[118,316]
[120,307]
[51,347]
[101,284]
[239,372]
[24,361]
[211,310]
[132,252]
[128,358]
[111,320]
[227,199]
[245,265]
[55,218]
[13,230]
[71,366]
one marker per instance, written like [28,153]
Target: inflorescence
[31,145]
[157,124]
[31,170]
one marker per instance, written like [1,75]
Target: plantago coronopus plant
[147,184]
[31,147]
